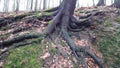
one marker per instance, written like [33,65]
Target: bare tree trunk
[6,5]
[44,4]
[101,3]
[36,4]
[48,4]
[117,3]
[17,5]
[31,5]
[28,5]
[40,2]
[93,2]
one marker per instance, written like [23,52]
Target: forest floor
[102,38]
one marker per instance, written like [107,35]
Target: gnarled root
[76,50]
[19,38]
[65,17]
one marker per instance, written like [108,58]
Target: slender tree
[17,5]
[101,3]
[6,5]
[28,5]
[36,5]
[40,2]
[93,2]
[44,4]
[31,5]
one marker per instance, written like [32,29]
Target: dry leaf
[46,55]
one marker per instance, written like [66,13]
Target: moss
[3,28]
[43,13]
[50,22]
[24,57]
[108,23]
[54,51]
[109,46]
[117,19]
[83,11]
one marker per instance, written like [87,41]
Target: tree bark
[63,19]
[101,3]
[117,3]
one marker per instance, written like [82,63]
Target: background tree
[40,2]
[36,5]
[44,4]
[28,5]
[117,3]
[16,5]
[6,5]
[93,2]
[31,5]
[101,3]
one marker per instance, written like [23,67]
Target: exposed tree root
[64,16]
[2,53]
[8,20]
[19,30]
[52,10]
[16,45]
[63,19]
[93,13]
[43,16]
[54,23]
[19,38]
[76,25]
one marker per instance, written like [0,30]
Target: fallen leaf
[46,55]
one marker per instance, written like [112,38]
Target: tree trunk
[36,4]
[17,5]
[66,10]
[93,3]
[31,6]
[117,3]
[6,5]
[64,19]
[101,3]
[44,4]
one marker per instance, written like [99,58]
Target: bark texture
[101,3]
[63,19]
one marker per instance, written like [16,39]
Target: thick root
[53,23]
[52,10]
[8,20]
[76,50]
[2,53]
[20,38]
